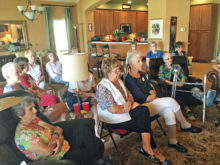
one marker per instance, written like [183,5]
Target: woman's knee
[169,117]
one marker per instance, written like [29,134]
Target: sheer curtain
[69,28]
[49,29]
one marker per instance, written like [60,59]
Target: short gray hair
[131,55]
[19,109]
[165,55]
[8,69]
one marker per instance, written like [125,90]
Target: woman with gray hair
[142,91]
[193,97]
[117,108]
[39,140]
[153,53]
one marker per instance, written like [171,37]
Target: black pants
[185,98]
[85,147]
[140,122]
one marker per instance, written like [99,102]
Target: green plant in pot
[117,34]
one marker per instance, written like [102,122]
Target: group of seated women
[126,106]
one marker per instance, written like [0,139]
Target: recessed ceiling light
[129,1]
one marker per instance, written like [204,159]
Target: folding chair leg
[161,127]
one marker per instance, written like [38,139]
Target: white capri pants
[165,107]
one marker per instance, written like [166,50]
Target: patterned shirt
[166,73]
[26,136]
[104,97]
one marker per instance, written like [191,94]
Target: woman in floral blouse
[186,99]
[39,140]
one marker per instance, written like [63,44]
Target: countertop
[115,42]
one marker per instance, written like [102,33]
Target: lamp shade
[74,67]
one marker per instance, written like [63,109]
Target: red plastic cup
[76,108]
[86,106]
[122,38]
[139,39]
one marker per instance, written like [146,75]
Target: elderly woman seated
[54,69]
[116,107]
[186,99]
[12,73]
[34,69]
[142,91]
[39,140]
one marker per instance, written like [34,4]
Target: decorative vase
[117,38]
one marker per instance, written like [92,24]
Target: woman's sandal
[166,162]
[148,156]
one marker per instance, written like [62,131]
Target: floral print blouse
[166,74]
[26,136]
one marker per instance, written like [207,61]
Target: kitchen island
[121,48]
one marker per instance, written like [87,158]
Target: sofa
[214,78]
[9,154]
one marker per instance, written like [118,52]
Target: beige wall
[36,30]
[164,9]
[82,7]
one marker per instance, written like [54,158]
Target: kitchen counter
[121,48]
[115,42]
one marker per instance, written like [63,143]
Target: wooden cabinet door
[123,17]
[104,22]
[203,45]
[111,22]
[205,17]
[132,20]
[116,22]
[97,25]
[194,17]
[142,21]
[193,39]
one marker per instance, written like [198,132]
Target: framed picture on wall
[89,27]
[156,29]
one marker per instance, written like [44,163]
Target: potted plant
[117,34]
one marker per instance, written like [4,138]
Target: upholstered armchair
[214,78]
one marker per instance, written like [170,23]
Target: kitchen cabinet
[202,31]
[106,21]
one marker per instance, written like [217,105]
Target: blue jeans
[71,99]
[59,80]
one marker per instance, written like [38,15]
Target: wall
[82,7]
[36,29]
[118,6]
[164,9]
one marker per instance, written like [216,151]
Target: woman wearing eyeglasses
[117,108]
[186,99]
[153,53]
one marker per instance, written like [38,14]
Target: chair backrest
[92,49]
[105,49]
[43,62]
[183,62]
[154,66]
[4,60]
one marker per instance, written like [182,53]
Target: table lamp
[75,69]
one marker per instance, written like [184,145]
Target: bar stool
[98,59]
[105,50]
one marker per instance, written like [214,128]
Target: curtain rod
[58,5]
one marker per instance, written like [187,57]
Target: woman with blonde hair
[34,69]
[116,107]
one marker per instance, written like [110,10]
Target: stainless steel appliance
[125,28]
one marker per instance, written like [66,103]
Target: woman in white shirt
[54,69]
[34,69]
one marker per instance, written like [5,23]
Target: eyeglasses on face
[116,70]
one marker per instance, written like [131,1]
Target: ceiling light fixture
[31,12]
[129,1]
